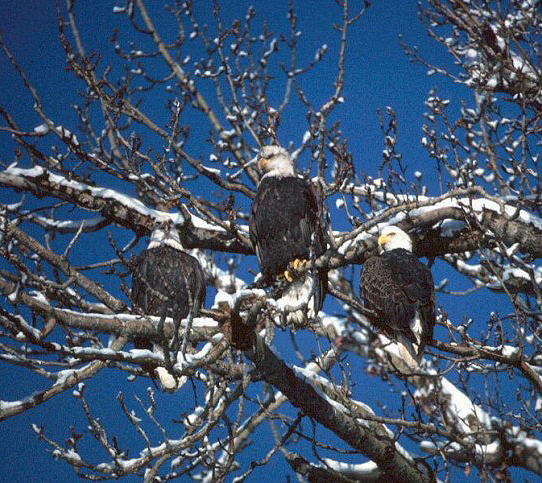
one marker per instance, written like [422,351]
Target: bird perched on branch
[167,282]
[286,232]
[400,290]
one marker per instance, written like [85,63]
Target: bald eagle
[399,289]
[166,282]
[286,232]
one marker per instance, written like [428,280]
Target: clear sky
[378,75]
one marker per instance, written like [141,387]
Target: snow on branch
[502,219]
[471,199]
[69,379]
[120,208]
[372,440]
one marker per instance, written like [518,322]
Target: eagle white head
[393,237]
[165,233]
[275,161]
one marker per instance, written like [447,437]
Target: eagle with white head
[400,290]
[167,282]
[286,232]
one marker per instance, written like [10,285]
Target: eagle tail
[409,352]
[168,381]
[402,353]
[302,299]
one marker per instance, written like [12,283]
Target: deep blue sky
[378,75]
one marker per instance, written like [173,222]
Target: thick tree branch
[120,209]
[371,439]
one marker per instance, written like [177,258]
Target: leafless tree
[127,164]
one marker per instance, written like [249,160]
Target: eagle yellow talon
[295,268]
[288,276]
[299,264]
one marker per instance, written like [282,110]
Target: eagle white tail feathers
[409,352]
[404,354]
[401,353]
[299,299]
[168,382]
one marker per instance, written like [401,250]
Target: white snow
[20,176]
[478,205]
[214,171]
[351,470]
[41,129]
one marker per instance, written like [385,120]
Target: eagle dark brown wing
[395,285]
[284,226]
[165,278]
[166,282]
[284,223]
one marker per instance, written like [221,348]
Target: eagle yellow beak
[262,164]
[383,239]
